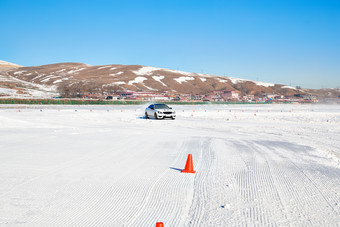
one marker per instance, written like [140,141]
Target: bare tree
[72,90]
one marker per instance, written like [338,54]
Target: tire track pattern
[172,194]
[252,183]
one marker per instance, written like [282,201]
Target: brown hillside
[135,78]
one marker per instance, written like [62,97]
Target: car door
[150,110]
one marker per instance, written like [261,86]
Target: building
[306,97]
[270,96]
[196,97]
[248,98]
[229,95]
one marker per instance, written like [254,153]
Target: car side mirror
[152,108]
[170,108]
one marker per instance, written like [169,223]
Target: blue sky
[292,42]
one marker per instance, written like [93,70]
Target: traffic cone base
[159,224]
[188,171]
[189,167]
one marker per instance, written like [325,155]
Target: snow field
[70,166]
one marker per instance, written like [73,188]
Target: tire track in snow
[40,193]
[126,215]
[81,194]
[173,189]
[111,199]
[202,181]
[257,188]
[117,195]
[215,186]
[96,164]
[301,194]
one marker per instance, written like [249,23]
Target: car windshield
[161,106]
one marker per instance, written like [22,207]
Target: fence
[101,102]
[66,102]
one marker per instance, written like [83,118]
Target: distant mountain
[47,80]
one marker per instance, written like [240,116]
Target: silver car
[160,111]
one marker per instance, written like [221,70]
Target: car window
[151,106]
[161,106]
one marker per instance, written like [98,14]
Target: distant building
[207,98]
[218,92]
[127,95]
[93,96]
[217,99]
[177,98]
[196,97]
[229,95]
[270,96]
[248,97]
[306,97]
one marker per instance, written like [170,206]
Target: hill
[48,80]
[4,65]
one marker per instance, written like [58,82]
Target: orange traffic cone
[189,167]
[159,224]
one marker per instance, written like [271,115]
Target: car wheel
[146,115]
[156,116]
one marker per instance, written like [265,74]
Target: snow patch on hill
[222,81]
[159,78]
[60,80]
[7,91]
[47,78]
[118,83]
[238,80]
[263,84]
[19,72]
[104,67]
[183,79]
[116,74]
[27,89]
[146,70]
[76,70]
[25,93]
[288,87]
[138,79]
[180,72]
[61,70]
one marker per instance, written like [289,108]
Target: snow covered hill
[49,78]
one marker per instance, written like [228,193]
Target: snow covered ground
[108,166]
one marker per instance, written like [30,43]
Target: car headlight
[174,112]
[159,112]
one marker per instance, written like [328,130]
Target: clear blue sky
[293,42]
